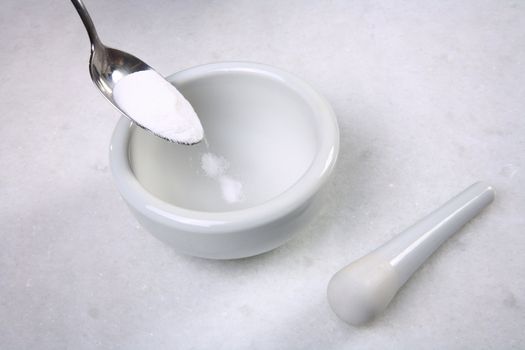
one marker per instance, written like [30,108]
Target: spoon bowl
[107,66]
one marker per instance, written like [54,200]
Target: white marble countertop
[430,97]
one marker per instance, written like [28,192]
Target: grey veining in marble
[430,97]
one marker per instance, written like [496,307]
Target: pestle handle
[415,245]
[364,288]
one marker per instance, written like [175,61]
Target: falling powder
[231,189]
[215,167]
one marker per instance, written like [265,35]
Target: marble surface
[430,97]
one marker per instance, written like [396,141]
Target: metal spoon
[107,65]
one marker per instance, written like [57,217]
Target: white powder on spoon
[157,105]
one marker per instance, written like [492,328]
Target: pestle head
[363,289]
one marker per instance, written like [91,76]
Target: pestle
[363,289]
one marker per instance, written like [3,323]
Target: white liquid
[157,105]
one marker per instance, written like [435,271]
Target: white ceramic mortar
[281,138]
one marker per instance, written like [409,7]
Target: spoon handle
[88,23]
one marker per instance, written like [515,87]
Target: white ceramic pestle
[363,289]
